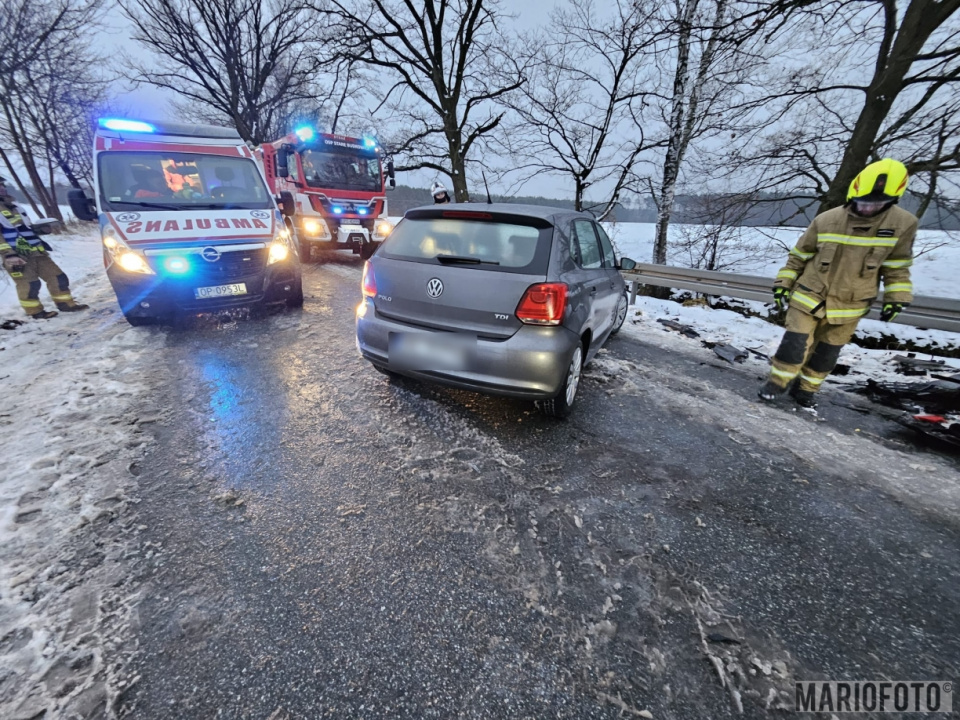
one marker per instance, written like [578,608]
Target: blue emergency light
[361,211]
[304,132]
[127,125]
[176,265]
[337,210]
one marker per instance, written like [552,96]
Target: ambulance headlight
[133,263]
[278,253]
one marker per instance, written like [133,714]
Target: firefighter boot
[44,314]
[804,398]
[72,306]
[770,391]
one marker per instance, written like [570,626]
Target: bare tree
[706,55]
[716,237]
[248,62]
[46,96]
[443,65]
[577,113]
[887,86]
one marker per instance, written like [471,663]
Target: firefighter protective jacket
[17,235]
[836,268]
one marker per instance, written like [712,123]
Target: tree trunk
[921,19]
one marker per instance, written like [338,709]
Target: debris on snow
[682,329]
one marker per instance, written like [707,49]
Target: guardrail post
[634,286]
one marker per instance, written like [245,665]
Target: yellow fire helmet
[882,181]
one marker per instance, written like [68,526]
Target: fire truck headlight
[278,252]
[384,228]
[134,263]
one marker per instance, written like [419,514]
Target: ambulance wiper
[451,259]
[162,206]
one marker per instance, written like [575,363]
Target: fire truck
[339,188]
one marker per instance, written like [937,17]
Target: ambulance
[187,222]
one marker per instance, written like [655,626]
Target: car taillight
[543,304]
[369,287]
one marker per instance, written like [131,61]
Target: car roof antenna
[487,187]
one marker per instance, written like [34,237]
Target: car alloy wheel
[573,375]
[621,313]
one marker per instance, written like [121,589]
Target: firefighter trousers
[809,350]
[39,267]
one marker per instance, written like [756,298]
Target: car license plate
[429,351]
[217,291]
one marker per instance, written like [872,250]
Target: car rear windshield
[480,244]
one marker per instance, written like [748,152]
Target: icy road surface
[247,521]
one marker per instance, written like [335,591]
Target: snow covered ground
[725,326]
[72,417]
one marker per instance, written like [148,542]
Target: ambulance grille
[235,264]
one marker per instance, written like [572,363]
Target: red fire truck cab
[339,187]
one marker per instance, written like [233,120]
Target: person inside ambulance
[149,183]
[833,275]
[26,259]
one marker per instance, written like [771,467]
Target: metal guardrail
[924,312]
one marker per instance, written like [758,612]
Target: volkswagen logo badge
[210,254]
[262,214]
[435,288]
[128,217]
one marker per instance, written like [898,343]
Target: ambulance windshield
[341,170]
[179,180]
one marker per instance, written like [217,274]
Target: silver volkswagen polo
[501,299]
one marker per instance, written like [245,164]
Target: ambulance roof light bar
[121,125]
[126,125]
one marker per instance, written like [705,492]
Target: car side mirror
[82,206]
[283,157]
[45,226]
[627,264]
[286,204]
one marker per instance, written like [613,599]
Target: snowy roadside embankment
[726,326]
[763,251]
[71,416]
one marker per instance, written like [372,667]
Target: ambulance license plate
[218,291]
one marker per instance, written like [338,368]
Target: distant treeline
[762,212]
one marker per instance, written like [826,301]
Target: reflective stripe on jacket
[837,266]
[17,235]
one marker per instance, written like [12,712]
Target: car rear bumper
[159,295]
[532,364]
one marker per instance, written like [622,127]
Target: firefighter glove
[781,297]
[14,262]
[891,310]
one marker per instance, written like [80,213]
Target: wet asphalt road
[323,542]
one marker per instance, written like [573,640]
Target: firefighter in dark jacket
[25,258]
[833,275]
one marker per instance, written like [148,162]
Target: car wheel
[296,299]
[621,314]
[562,404]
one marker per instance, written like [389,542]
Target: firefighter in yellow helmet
[833,275]
[24,257]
